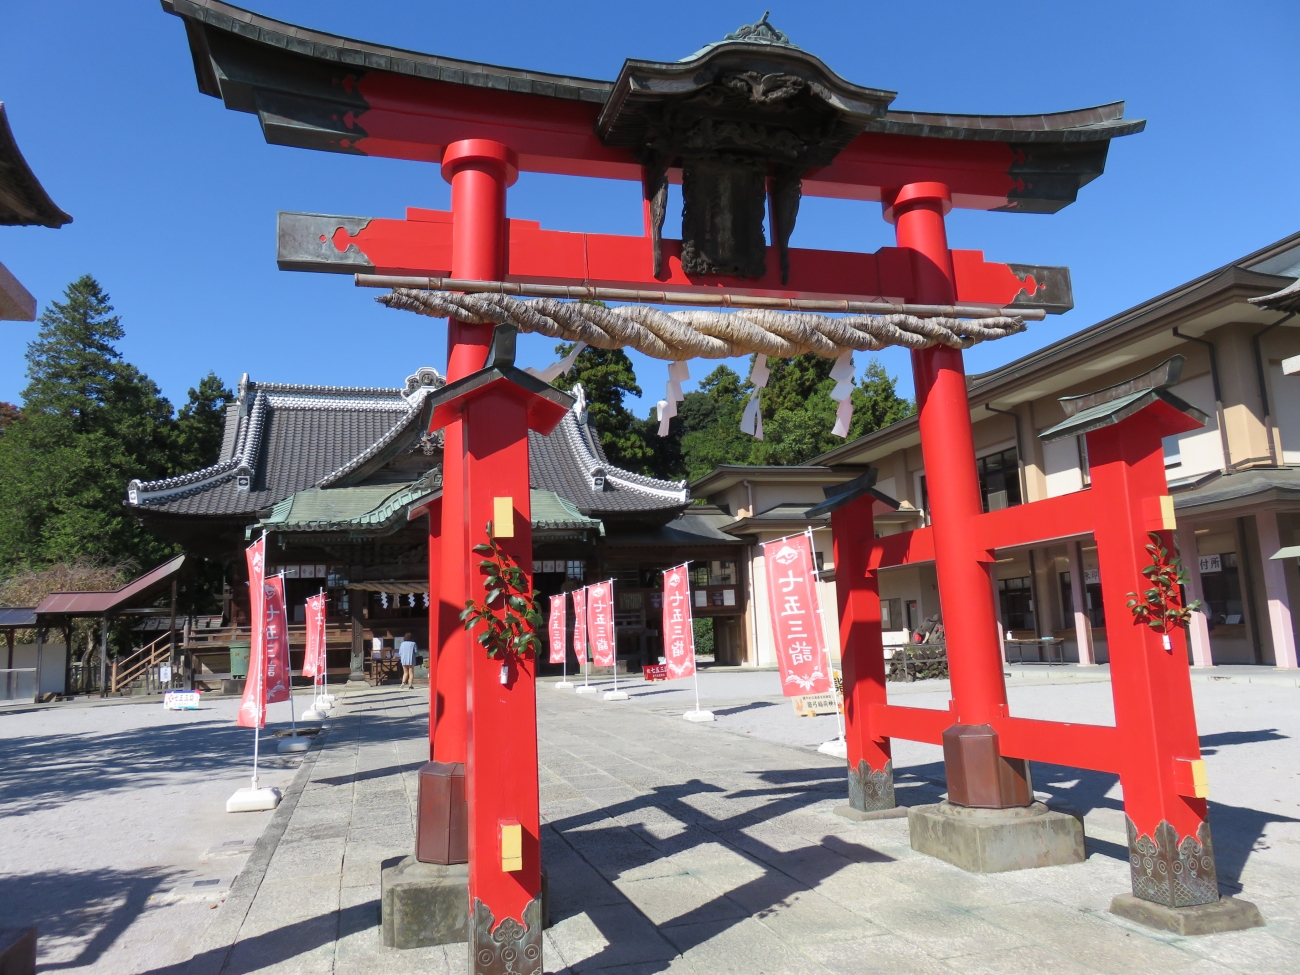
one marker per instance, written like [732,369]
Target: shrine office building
[1235,482]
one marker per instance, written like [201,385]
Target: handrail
[125,671]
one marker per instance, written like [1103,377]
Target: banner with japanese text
[679,630]
[556,626]
[252,708]
[796,622]
[600,623]
[580,625]
[276,642]
[313,660]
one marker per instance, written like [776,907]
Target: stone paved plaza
[669,846]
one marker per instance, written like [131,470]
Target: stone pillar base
[424,904]
[995,840]
[1225,914]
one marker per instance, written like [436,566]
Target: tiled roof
[571,463]
[281,439]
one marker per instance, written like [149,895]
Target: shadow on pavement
[90,907]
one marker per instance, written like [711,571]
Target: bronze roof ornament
[744,118]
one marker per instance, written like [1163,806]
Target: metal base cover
[512,948]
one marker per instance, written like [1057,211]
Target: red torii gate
[483,125]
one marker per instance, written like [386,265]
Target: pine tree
[606,376]
[90,423]
[201,423]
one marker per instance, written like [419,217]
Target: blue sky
[174,197]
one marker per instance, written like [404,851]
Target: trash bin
[239,658]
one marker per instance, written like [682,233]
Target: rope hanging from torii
[682,335]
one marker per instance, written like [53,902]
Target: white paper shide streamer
[678,373]
[558,369]
[842,373]
[751,421]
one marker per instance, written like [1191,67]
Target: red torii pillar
[977,774]
[479,171]
[857,593]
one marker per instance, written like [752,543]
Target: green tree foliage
[606,376]
[201,423]
[798,415]
[8,413]
[90,422]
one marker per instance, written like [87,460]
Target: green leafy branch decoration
[508,614]
[1160,607]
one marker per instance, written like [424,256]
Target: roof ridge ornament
[759,32]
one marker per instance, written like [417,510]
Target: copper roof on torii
[309,89]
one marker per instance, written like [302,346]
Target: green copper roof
[369,508]
[378,509]
[550,511]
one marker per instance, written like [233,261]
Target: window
[577,569]
[722,573]
[1017,599]
[999,476]
[1222,589]
[699,576]
[891,614]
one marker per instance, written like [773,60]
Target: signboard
[655,671]
[276,642]
[679,630]
[796,622]
[313,660]
[810,705]
[165,674]
[252,708]
[1092,577]
[556,628]
[580,625]
[1211,563]
[181,700]
[600,623]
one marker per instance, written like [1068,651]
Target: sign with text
[679,629]
[181,700]
[655,672]
[313,660]
[1211,563]
[580,625]
[796,629]
[811,705]
[600,623]
[556,627]
[252,707]
[276,642]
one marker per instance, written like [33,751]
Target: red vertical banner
[252,708]
[556,628]
[276,641]
[796,622]
[600,623]
[679,629]
[580,625]
[313,660]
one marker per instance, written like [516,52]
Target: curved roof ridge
[315,389]
[244,459]
[593,454]
[415,408]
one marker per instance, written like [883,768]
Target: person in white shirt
[406,653]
